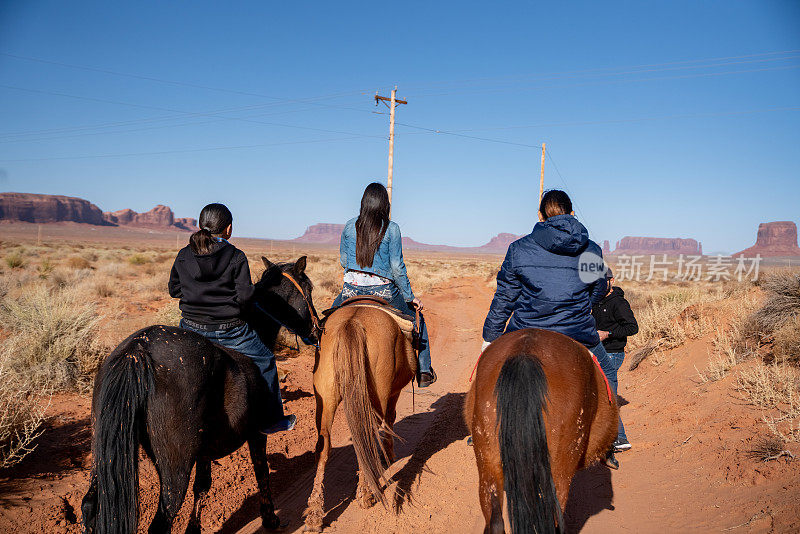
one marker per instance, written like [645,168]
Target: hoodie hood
[616,292]
[211,266]
[562,234]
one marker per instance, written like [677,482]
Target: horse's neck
[267,330]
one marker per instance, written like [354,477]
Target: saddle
[405,322]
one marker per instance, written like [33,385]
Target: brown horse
[539,410]
[364,360]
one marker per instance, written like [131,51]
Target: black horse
[187,402]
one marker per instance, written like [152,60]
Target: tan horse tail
[350,362]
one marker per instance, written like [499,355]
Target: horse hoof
[274,524]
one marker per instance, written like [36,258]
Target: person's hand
[484,345]
[603,334]
[418,303]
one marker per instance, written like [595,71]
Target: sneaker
[622,444]
[426,379]
[611,460]
[287,423]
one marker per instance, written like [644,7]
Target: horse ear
[300,265]
[267,263]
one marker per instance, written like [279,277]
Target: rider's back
[539,284]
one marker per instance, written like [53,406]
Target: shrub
[45,268]
[21,417]
[53,337]
[14,260]
[786,343]
[103,289]
[78,262]
[138,259]
[782,304]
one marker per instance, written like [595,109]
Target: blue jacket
[388,261]
[539,285]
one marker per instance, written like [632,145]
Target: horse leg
[388,424]
[174,483]
[258,454]
[202,483]
[363,493]
[325,412]
[490,492]
[89,506]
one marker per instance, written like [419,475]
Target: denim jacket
[388,260]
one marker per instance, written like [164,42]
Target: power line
[628,69]
[608,82]
[634,119]
[189,113]
[566,187]
[278,100]
[186,151]
[445,132]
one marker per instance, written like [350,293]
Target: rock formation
[606,247]
[322,233]
[33,208]
[329,234]
[657,245]
[159,217]
[774,239]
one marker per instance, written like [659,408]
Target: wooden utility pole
[393,101]
[541,178]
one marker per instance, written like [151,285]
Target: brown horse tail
[350,361]
[521,392]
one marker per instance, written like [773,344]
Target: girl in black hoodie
[615,322]
[211,278]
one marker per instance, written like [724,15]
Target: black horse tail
[521,392]
[120,404]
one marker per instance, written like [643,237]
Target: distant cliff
[159,217]
[35,208]
[774,239]
[329,234]
[657,245]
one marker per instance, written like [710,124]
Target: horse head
[284,294]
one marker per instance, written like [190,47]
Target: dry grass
[21,417]
[52,336]
[14,260]
[767,448]
[78,262]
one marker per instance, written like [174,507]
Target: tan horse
[539,410]
[364,360]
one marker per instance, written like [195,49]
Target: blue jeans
[244,340]
[610,364]
[391,293]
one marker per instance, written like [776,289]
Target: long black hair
[372,222]
[214,219]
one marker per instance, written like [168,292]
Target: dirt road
[687,472]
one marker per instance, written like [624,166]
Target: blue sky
[671,119]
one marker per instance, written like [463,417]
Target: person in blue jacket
[550,279]
[371,253]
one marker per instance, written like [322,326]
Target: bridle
[312,312]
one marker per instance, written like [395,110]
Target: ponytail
[214,219]
[201,242]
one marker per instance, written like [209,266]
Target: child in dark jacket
[615,322]
[211,278]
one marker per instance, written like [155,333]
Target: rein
[311,311]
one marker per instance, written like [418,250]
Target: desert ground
[712,409]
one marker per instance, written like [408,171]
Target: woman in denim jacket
[371,253]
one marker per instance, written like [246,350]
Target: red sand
[688,469]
